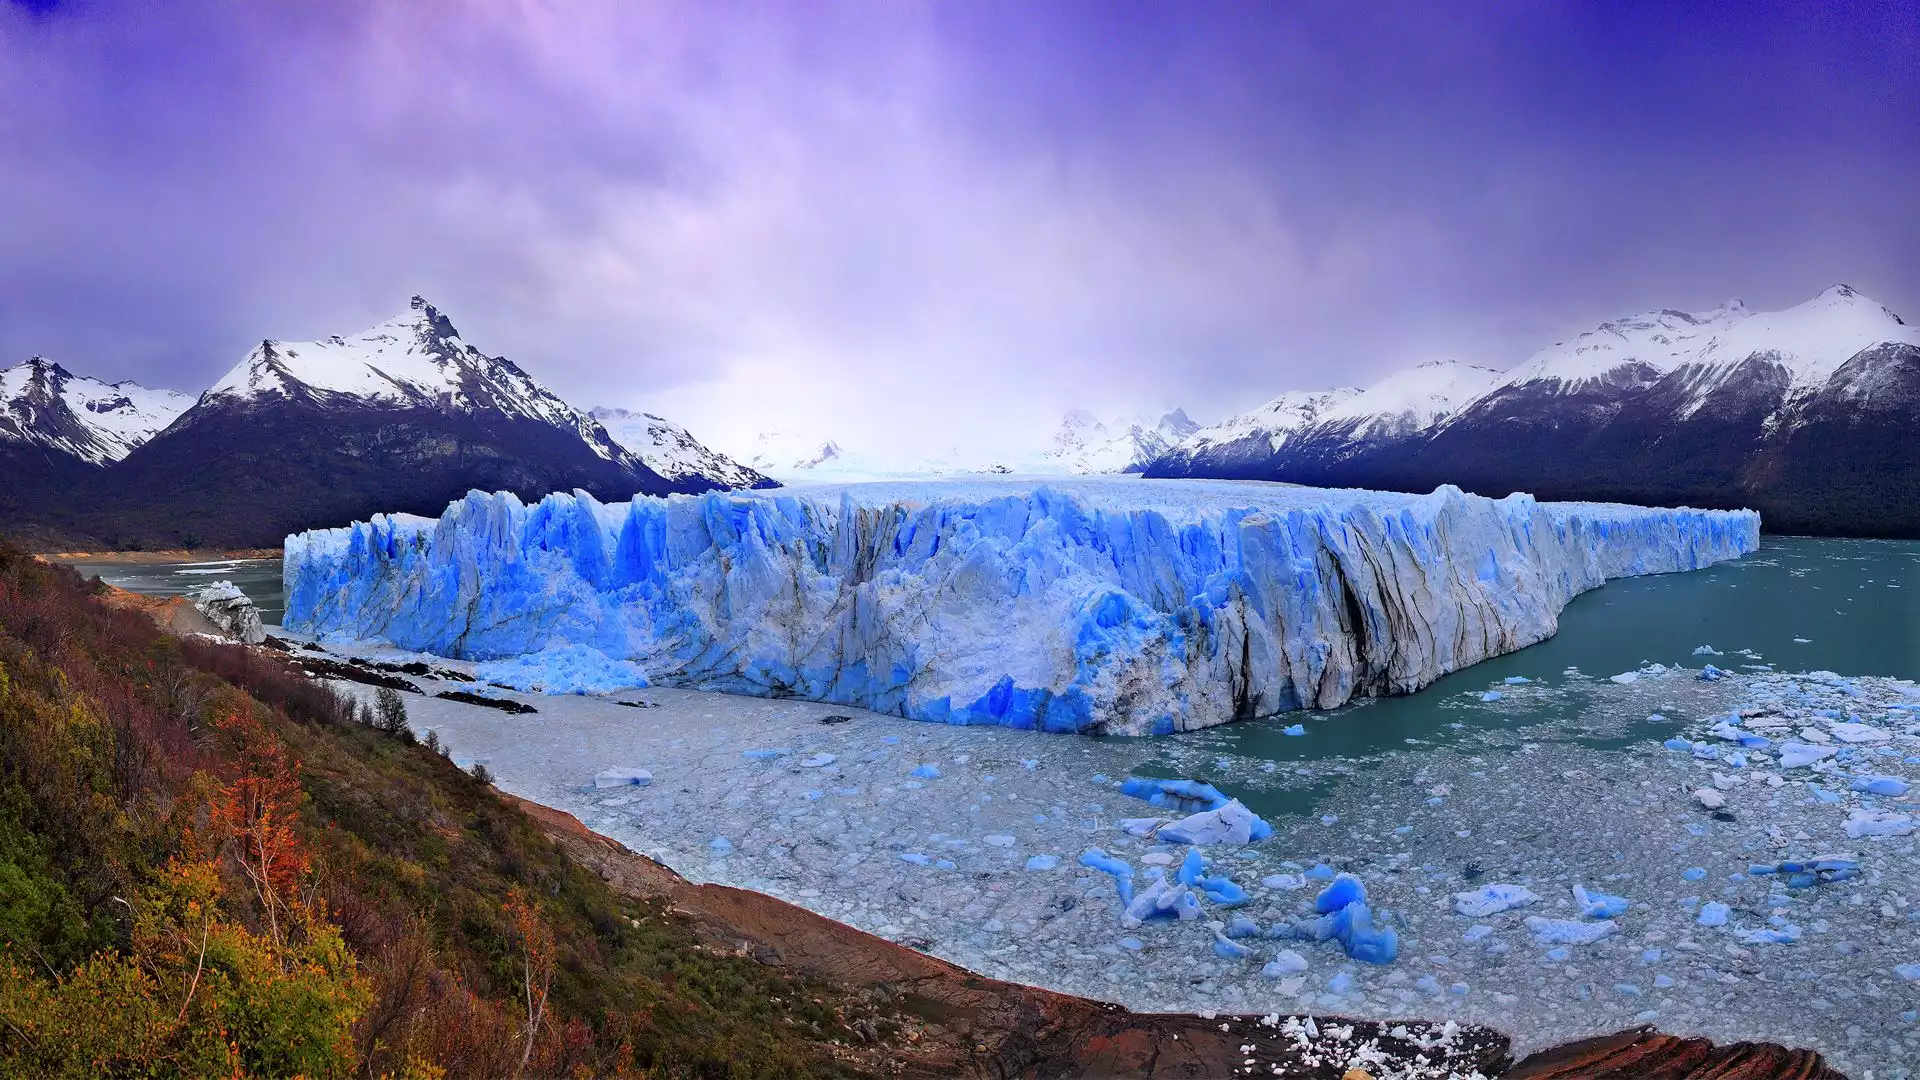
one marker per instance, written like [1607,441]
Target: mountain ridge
[1714,409]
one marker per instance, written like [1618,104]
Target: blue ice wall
[1120,606]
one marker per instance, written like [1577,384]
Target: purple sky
[892,221]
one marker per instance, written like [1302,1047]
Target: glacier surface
[1096,606]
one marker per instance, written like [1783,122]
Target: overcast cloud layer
[902,221]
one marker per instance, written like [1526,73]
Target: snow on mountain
[1273,422]
[1412,400]
[416,359]
[1086,444]
[45,404]
[1638,348]
[673,452]
[793,457]
[1812,339]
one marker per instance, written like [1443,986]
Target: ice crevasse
[1121,606]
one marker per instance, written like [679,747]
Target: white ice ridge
[1074,605]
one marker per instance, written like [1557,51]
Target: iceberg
[1098,606]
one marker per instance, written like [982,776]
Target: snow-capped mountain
[1806,414]
[795,458]
[1245,443]
[404,417]
[1086,444]
[45,405]
[673,452]
[415,360]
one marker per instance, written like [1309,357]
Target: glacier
[1098,606]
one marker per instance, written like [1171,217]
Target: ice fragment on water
[1569,931]
[612,778]
[1491,900]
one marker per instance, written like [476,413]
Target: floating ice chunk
[1709,798]
[1712,674]
[1795,755]
[926,772]
[1598,905]
[817,761]
[1491,900]
[1625,678]
[998,840]
[1516,680]
[765,755]
[1346,889]
[1131,944]
[1678,743]
[1340,984]
[1230,824]
[1892,786]
[1185,796]
[1319,872]
[916,858]
[1492,695]
[1294,729]
[613,778]
[1140,826]
[1097,859]
[720,845]
[1287,962]
[1227,949]
[1878,823]
[1707,650]
[1043,862]
[1243,927]
[1569,931]
[1559,953]
[1712,913]
[1727,729]
[1694,873]
[1785,934]
[1288,882]
[1476,932]
[1909,972]
[1850,732]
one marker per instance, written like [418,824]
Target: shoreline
[178,555]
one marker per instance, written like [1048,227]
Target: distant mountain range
[403,417]
[1083,444]
[1810,415]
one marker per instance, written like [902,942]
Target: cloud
[907,222]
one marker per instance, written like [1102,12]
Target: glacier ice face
[1114,606]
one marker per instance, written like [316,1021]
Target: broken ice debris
[1880,785]
[1850,732]
[1568,931]
[1707,650]
[613,778]
[1795,755]
[1598,905]
[1097,859]
[1909,972]
[926,772]
[1346,889]
[1043,862]
[1878,823]
[1712,913]
[1709,798]
[1491,900]
[1287,962]
[764,755]
[1784,934]
[1712,674]
[1230,824]
[817,761]
[1227,949]
[1294,729]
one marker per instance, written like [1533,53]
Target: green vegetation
[210,865]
